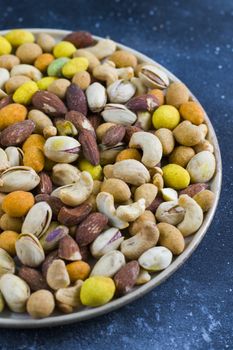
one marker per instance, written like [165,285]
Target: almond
[33,277]
[146,102]
[68,249]
[80,39]
[113,135]
[49,103]
[76,99]
[90,228]
[73,216]
[89,147]
[5,101]
[79,121]
[45,186]
[95,120]
[126,277]
[17,133]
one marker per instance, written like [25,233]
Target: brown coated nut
[89,146]
[181,155]
[80,39]
[123,58]
[171,238]
[90,228]
[118,188]
[113,135]
[126,277]
[33,277]
[82,79]
[102,129]
[45,186]
[49,103]
[155,204]
[205,199]
[76,99]
[17,133]
[177,93]
[95,120]
[73,216]
[193,189]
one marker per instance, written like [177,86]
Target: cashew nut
[108,73]
[151,147]
[193,215]
[170,212]
[135,246]
[76,193]
[103,48]
[130,171]
[105,205]
[132,211]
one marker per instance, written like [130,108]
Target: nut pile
[104,169]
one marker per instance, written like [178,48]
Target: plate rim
[18,322]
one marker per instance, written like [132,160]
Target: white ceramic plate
[9,319]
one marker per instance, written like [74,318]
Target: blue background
[193,309]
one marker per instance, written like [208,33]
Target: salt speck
[220,66]
[97,25]
[205,335]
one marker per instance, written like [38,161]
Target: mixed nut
[104,169]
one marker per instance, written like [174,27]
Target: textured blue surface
[193,309]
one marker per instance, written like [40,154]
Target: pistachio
[7,264]
[62,149]
[17,178]
[96,97]
[37,219]
[66,128]
[121,91]
[119,114]
[15,292]
[50,239]
[107,241]
[14,155]
[65,174]
[153,77]
[29,250]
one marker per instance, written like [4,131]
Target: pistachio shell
[7,264]
[119,114]
[29,250]
[15,292]
[37,219]
[18,178]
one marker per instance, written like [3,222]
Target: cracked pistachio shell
[14,155]
[118,114]
[106,242]
[4,162]
[52,236]
[121,91]
[29,250]
[37,219]
[15,292]
[18,178]
[153,77]
[62,149]
[7,264]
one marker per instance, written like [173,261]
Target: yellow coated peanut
[5,46]
[78,270]
[97,290]
[76,65]
[11,114]
[166,116]
[45,82]
[18,37]
[64,49]
[34,140]
[18,203]
[175,176]
[25,93]
[95,171]
[34,158]
[7,241]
